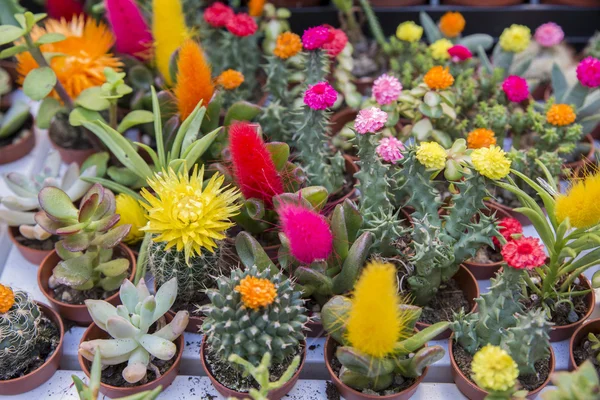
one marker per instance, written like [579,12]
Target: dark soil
[47,245]
[583,351]
[68,295]
[232,378]
[67,136]
[14,138]
[486,255]
[562,314]
[47,341]
[331,391]
[113,374]
[529,382]
[448,300]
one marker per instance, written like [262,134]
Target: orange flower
[256,292]
[86,54]
[255,7]
[194,82]
[481,137]
[561,115]
[230,79]
[439,78]
[7,298]
[452,24]
[288,45]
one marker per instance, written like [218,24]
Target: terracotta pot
[513,214]
[341,118]
[15,151]
[577,3]
[591,326]
[364,84]
[486,271]
[351,394]
[34,256]
[396,3]
[596,132]
[335,198]
[36,378]
[70,155]
[559,333]
[588,157]
[482,3]
[77,313]
[114,392]
[468,284]
[542,91]
[474,392]
[273,395]
[316,329]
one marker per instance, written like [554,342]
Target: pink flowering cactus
[588,72]
[390,149]
[320,96]
[549,34]
[370,120]
[459,53]
[515,88]
[386,89]
[336,42]
[314,38]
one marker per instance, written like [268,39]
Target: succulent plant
[88,238]
[129,326]
[583,383]
[595,344]
[13,120]
[343,77]
[528,341]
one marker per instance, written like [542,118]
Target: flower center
[188,209]
[525,248]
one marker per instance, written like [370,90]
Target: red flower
[526,252]
[336,43]
[242,25]
[218,14]
[508,227]
[459,53]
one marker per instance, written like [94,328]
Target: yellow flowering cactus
[131,213]
[494,370]
[491,162]
[432,155]
[439,49]
[409,32]
[515,39]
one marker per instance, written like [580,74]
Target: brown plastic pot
[276,394]
[482,3]
[34,256]
[94,332]
[474,392]
[364,84]
[591,326]
[560,333]
[351,394]
[341,118]
[588,157]
[15,151]
[468,284]
[77,313]
[36,378]
[69,156]
[577,3]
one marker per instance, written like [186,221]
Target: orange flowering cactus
[452,24]
[481,137]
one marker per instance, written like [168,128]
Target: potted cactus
[269,316]
[584,345]
[88,261]
[373,349]
[144,345]
[32,342]
[17,138]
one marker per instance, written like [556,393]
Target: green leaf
[280,152]
[559,83]
[140,77]
[115,187]
[56,203]
[51,37]
[114,267]
[596,280]
[422,129]
[92,99]
[241,111]
[39,83]
[48,109]
[160,147]
[136,117]
[10,33]
[199,147]
[431,30]
[39,16]
[12,51]
[74,271]
[80,116]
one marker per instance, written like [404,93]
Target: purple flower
[588,72]
[549,34]
[389,149]
[315,37]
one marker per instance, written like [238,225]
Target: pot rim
[13,239]
[582,320]
[588,157]
[572,343]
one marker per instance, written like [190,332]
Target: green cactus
[581,384]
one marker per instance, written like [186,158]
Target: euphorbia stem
[112,115]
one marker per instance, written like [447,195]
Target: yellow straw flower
[481,137]
[439,49]
[560,115]
[580,204]
[491,162]
[256,7]
[187,214]
[438,78]
[230,79]
[7,298]
[432,155]
[515,39]
[452,24]
[256,292]
[409,32]
[494,369]
[288,45]
[131,212]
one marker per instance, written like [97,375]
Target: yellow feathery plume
[169,31]
[194,81]
[580,203]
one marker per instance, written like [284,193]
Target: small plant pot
[166,379]
[77,313]
[316,329]
[349,393]
[17,150]
[34,256]
[36,378]
[364,84]
[591,326]
[273,395]
[560,333]
[572,166]
[482,3]
[468,284]
[474,392]
[69,156]
[341,118]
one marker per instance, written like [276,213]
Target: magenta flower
[320,96]
[588,72]
[515,88]
[549,34]
[459,53]
[370,120]
[389,149]
[386,89]
[315,37]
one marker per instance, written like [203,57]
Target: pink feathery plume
[131,31]
[58,9]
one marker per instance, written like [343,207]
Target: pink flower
[370,120]
[315,37]
[588,72]
[242,25]
[218,14]
[459,53]
[515,88]
[386,89]
[549,34]
[389,149]
[320,96]
[336,43]
[524,253]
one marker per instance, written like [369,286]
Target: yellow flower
[409,32]
[515,39]
[230,79]
[255,7]
[491,162]
[452,24]
[438,78]
[481,137]
[85,54]
[169,31]
[375,322]
[256,292]
[494,369]
[187,214]
[288,45]
[581,203]
[7,298]
[131,212]
[439,49]
[560,115]
[432,155]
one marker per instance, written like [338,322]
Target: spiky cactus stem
[317,66]
[277,119]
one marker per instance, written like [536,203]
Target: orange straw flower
[438,78]
[452,24]
[481,137]
[560,115]
[256,292]
[288,45]
[230,79]
[7,298]
[255,7]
